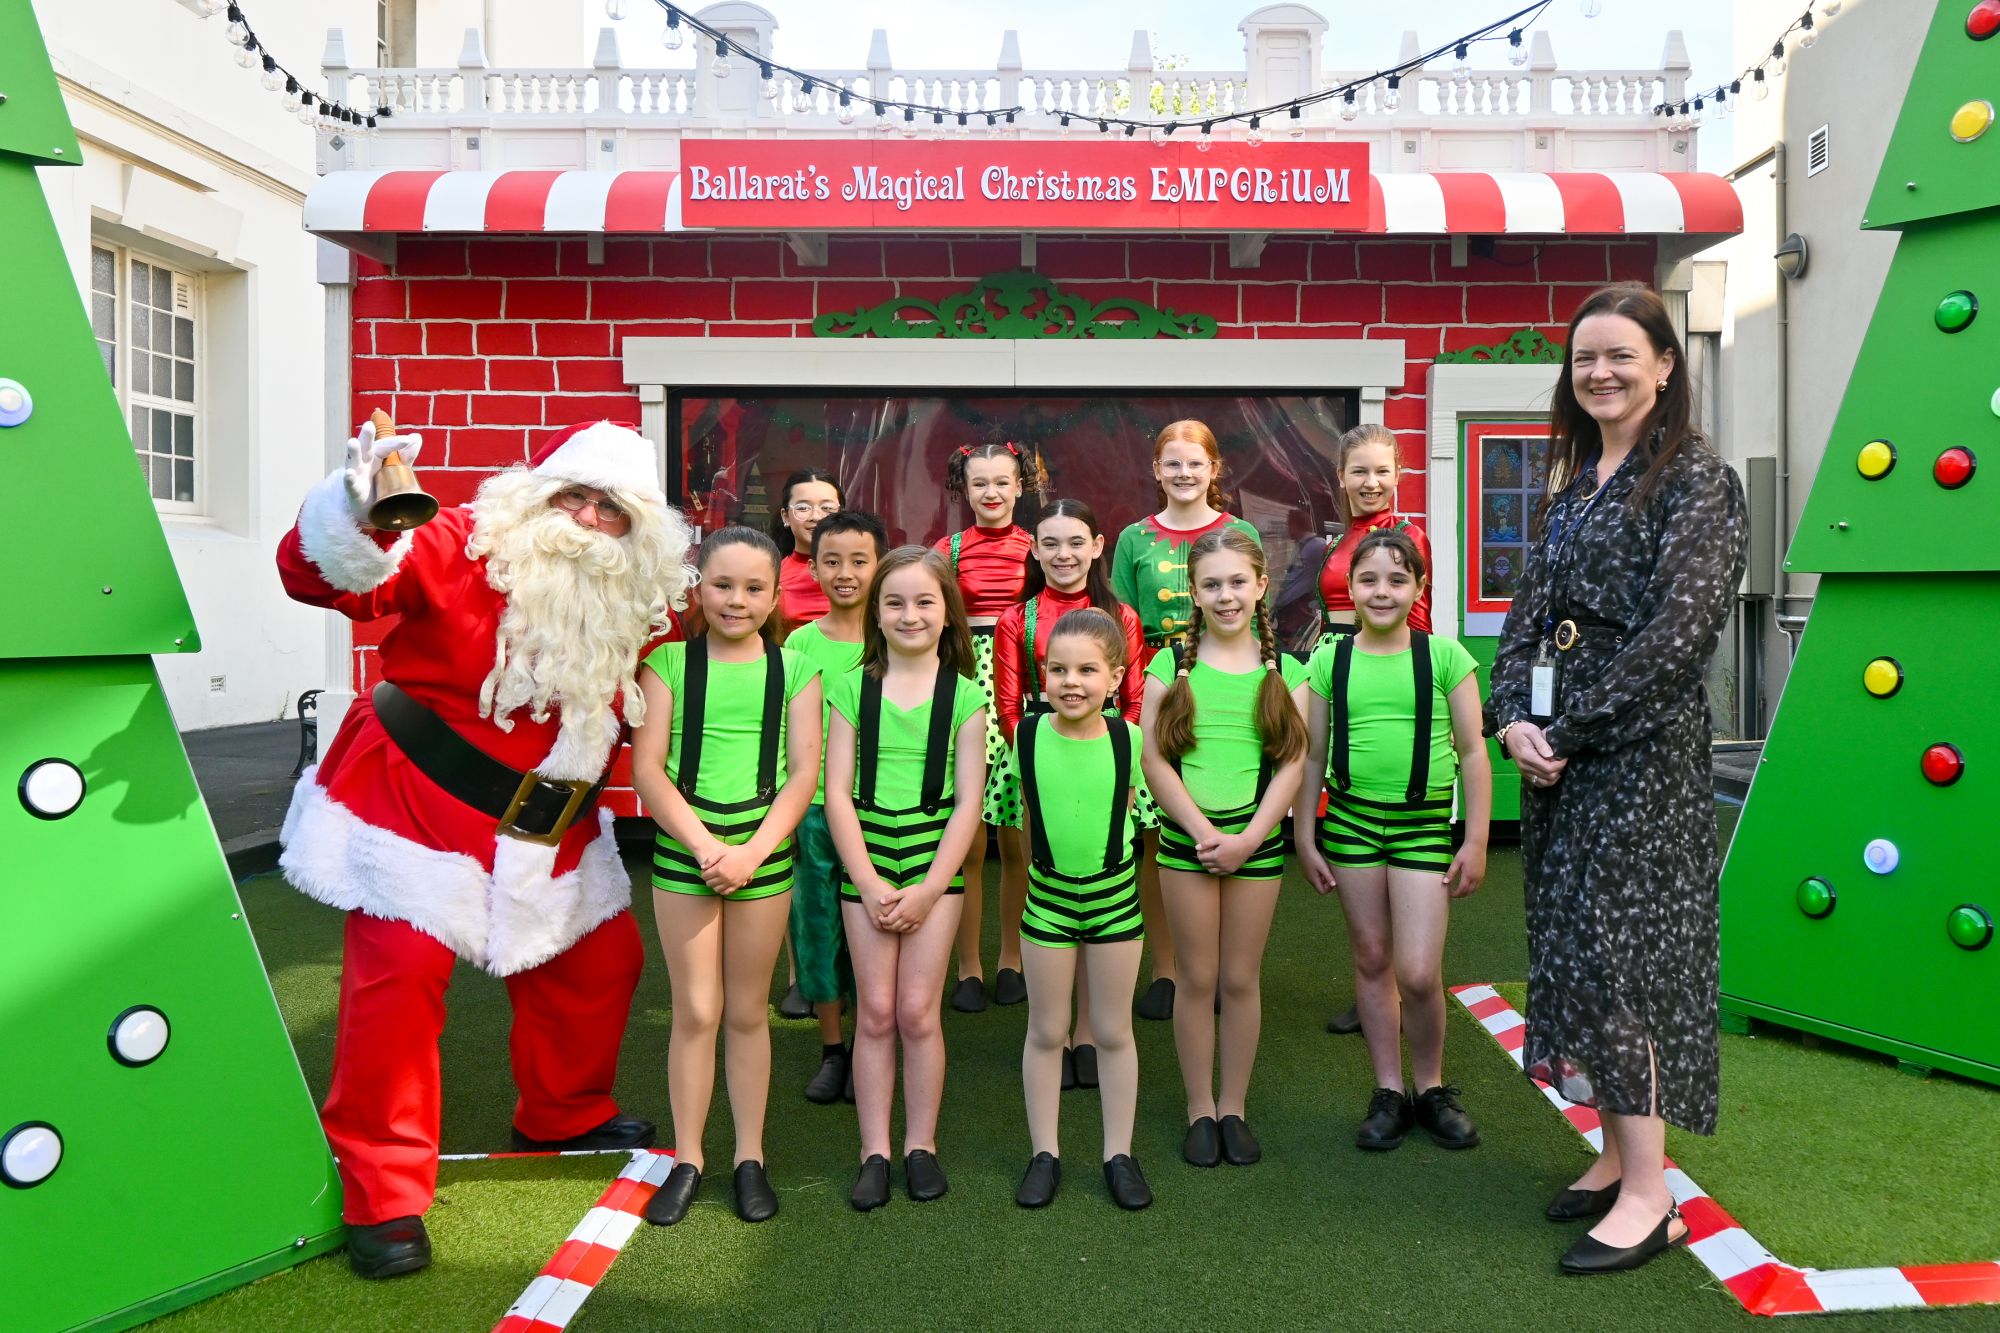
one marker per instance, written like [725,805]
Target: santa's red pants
[381,1114]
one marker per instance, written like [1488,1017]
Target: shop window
[730,456]
[1506,466]
[146,318]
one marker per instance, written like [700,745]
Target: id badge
[1542,687]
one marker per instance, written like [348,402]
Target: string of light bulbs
[309,106]
[1688,110]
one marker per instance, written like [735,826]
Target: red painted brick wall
[486,344]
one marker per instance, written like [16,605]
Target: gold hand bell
[399,503]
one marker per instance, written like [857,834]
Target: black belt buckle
[531,783]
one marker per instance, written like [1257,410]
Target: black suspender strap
[1038,836]
[1343,665]
[1031,679]
[937,741]
[694,717]
[1420,758]
[868,740]
[1116,847]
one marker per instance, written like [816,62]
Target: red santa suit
[426,879]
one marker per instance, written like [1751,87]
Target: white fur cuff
[347,557]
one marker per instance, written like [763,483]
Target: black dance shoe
[1389,1118]
[1345,1023]
[620,1131]
[755,1199]
[1069,1070]
[794,1004]
[1009,986]
[969,996]
[1239,1145]
[1157,1003]
[1438,1111]
[1203,1144]
[389,1249]
[826,1085]
[670,1201]
[871,1187]
[1038,1187]
[1590,1255]
[1127,1183]
[1086,1066]
[922,1176]
[1575,1205]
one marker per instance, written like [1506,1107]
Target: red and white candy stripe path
[1759,1279]
[580,1263]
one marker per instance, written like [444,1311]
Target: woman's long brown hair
[954,645]
[1279,725]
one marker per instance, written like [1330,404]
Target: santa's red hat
[606,455]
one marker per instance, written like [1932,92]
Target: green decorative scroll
[1525,348]
[1016,304]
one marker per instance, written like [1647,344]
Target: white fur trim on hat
[346,557]
[517,918]
[609,457]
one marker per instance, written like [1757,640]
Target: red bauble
[1943,764]
[1983,21]
[1954,466]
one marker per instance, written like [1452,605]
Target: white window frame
[124,257]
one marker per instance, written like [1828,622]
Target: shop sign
[979,184]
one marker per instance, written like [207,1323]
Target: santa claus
[455,813]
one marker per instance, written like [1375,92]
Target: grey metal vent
[1816,151]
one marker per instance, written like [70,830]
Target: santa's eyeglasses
[573,501]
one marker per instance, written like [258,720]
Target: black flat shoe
[1575,1205]
[1038,1187]
[1069,1070]
[969,996]
[1590,1255]
[670,1201]
[871,1187]
[620,1131]
[1390,1116]
[1127,1183]
[826,1085]
[389,1249]
[1345,1023]
[756,1201]
[1157,1003]
[1203,1144]
[795,1004]
[1438,1111]
[1086,1066]
[923,1178]
[1009,986]
[1239,1145]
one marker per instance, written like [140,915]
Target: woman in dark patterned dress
[1598,698]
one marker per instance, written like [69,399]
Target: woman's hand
[1529,746]
[732,869]
[1317,872]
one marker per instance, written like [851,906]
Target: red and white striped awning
[1465,203]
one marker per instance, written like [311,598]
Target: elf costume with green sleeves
[1149,573]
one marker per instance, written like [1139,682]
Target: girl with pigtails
[989,560]
[1224,748]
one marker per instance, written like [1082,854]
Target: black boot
[671,1200]
[826,1085]
[389,1249]
[1038,1187]
[1389,1118]
[620,1131]
[1444,1119]
[1127,1183]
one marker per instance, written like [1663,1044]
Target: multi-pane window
[382,24]
[145,315]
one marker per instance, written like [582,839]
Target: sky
[1087,34]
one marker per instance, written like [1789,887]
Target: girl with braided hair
[1224,747]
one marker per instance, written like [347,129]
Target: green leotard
[1149,571]
[834,658]
[1083,875]
[900,828]
[734,749]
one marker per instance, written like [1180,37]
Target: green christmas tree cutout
[157,1141]
[1857,900]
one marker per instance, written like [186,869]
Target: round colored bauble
[1876,459]
[1882,677]
[1815,897]
[1943,764]
[1972,120]
[52,788]
[1881,856]
[30,1154]
[1970,927]
[1954,467]
[138,1036]
[16,403]
[1955,313]
[1995,403]
[1983,21]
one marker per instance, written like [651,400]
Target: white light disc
[53,788]
[1881,856]
[29,1155]
[140,1035]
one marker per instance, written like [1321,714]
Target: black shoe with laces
[871,1187]
[1389,1118]
[1438,1111]
[388,1249]
[826,1085]
[1039,1185]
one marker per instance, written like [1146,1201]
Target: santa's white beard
[580,606]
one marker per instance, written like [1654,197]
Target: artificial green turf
[1319,1235]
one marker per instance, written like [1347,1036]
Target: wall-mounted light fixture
[1792,256]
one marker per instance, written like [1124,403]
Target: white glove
[364,460]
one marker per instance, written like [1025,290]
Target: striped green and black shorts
[1177,847]
[1063,912]
[1410,835]
[901,844]
[676,871]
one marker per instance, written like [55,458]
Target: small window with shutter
[1816,151]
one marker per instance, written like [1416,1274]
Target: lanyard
[1562,528]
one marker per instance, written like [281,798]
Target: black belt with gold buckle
[1569,634]
[528,806]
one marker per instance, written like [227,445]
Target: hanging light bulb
[247,57]
[1517,53]
[1297,129]
[673,36]
[617,9]
[1760,87]
[1721,104]
[1806,34]
[802,103]
[1255,138]
[1591,8]
[937,124]
[306,113]
[1207,139]
[238,32]
[909,123]
[1062,127]
[1461,69]
[1349,108]
[1158,135]
[210,8]
[272,80]
[844,113]
[1392,94]
[992,126]
[720,67]
[1778,59]
[770,85]
[964,126]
